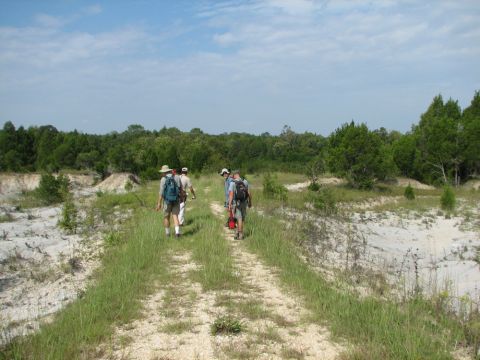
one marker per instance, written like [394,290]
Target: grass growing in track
[378,329]
[125,276]
[128,273]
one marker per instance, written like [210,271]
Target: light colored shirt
[163,180]
[228,181]
[186,183]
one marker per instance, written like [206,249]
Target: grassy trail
[153,290]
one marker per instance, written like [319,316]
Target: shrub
[447,200]
[128,186]
[409,193]
[313,186]
[69,215]
[324,201]
[52,190]
[272,189]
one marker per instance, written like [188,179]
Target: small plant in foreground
[409,193]
[226,325]
[447,200]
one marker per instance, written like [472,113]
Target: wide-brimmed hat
[224,170]
[165,169]
[184,169]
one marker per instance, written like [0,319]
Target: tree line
[444,147]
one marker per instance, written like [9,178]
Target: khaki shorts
[171,208]
[240,211]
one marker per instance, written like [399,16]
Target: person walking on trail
[169,199]
[186,186]
[228,180]
[239,197]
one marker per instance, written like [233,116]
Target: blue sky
[248,66]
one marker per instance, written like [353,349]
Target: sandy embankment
[404,245]
[42,268]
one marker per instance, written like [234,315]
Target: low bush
[272,189]
[409,193]
[69,217]
[52,190]
[447,200]
[323,201]
[313,186]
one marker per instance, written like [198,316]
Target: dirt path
[175,324]
[297,337]
[177,319]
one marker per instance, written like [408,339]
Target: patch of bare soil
[41,268]
[321,181]
[175,323]
[117,182]
[472,184]
[15,183]
[287,330]
[404,182]
[177,319]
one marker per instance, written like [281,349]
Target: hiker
[169,197]
[239,197]
[228,180]
[186,185]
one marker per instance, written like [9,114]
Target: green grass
[177,327]
[227,325]
[139,258]
[378,329]
[6,218]
[125,277]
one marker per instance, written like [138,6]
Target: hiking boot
[178,235]
[240,236]
[236,236]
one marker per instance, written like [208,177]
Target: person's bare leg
[177,224]
[175,220]
[240,227]
[166,223]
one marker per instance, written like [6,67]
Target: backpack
[241,192]
[171,191]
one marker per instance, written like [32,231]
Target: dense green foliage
[443,148]
[409,193]
[51,189]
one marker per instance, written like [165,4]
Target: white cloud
[224,39]
[50,21]
[93,9]
[288,57]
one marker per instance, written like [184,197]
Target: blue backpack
[171,191]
